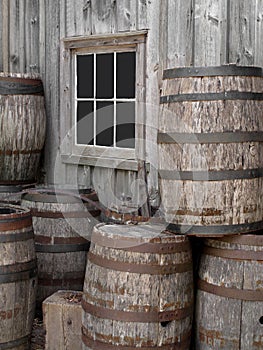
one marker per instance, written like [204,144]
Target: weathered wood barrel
[138,290]
[18,277]
[229,303]
[11,194]
[210,144]
[23,127]
[62,226]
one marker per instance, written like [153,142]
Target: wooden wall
[180,32]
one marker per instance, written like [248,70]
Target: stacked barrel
[210,145]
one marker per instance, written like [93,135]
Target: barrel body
[62,226]
[18,277]
[23,127]
[229,302]
[210,146]
[138,289]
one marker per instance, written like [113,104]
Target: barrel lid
[10,212]
[211,71]
[49,196]
[149,236]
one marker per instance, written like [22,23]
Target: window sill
[113,163]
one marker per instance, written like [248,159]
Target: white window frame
[73,153]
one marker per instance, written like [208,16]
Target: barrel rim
[50,197]
[20,213]
[212,71]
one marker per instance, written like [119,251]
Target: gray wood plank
[1,36]
[258,60]
[17,37]
[32,36]
[103,16]
[210,32]
[180,33]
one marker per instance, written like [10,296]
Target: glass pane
[85,123]
[105,122]
[104,75]
[125,128]
[126,75]
[85,76]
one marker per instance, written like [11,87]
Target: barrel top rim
[19,211]
[35,195]
[210,71]
[142,232]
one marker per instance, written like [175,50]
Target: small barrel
[138,290]
[18,277]
[23,127]
[210,145]
[229,302]
[11,194]
[62,226]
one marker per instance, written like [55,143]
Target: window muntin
[105,99]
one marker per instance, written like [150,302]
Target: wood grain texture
[18,296]
[229,323]
[65,269]
[207,203]
[134,292]
[23,126]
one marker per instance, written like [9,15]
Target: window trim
[71,153]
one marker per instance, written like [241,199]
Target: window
[105,99]
[103,78]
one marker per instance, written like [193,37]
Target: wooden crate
[62,320]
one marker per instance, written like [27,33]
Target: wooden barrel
[11,194]
[138,290]
[210,150]
[229,303]
[18,277]
[23,127]
[62,226]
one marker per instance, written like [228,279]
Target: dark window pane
[125,128]
[85,123]
[105,122]
[85,76]
[104,74]
[126,75]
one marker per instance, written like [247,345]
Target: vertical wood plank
[32,36]
[142,14]
[258,60]
[5,37]
[103,16]
[52,85]
[42,40]
[1,34]
[210,32]
[124,15]
[242,32]
[180,33]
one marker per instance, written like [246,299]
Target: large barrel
[23,127]
[210,144]
[18,277]
[62,226]
[138,290]
[229,303]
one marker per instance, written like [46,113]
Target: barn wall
[180,32]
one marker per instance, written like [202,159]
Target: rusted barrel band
[62,248]
[51,197]
[209,138]
[249,239]
[124,217]
[59,282]
[99,345]
[132,316]
[58,215]
[150,269]
[12,344]
[20,86]
[215,230]
[212,96]
[240,254]
[18,272]
[212,71]
[60,240]
[140,247]
[16,237]
[16,223]
[211,175]
[233,293]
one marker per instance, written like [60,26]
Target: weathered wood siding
[180,32]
